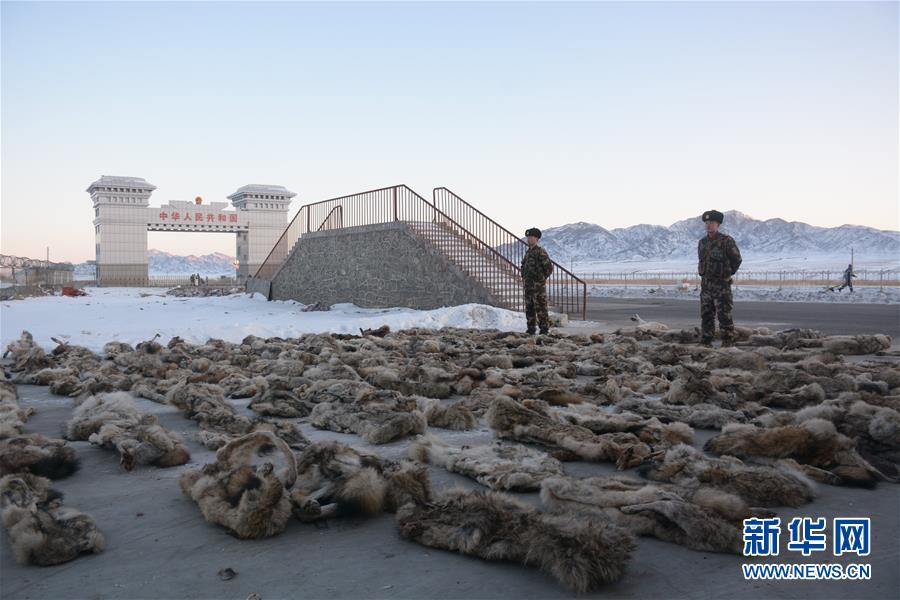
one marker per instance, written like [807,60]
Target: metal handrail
[462,242]
[563,283]
[339,210]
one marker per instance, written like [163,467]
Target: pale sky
[539,114]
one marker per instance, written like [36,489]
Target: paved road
[831,319]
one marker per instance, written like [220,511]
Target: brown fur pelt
[760,485]
[26,356]
[529,422]
[650,431]
[856,344]
[499,466]
[582,554]
[815,442]
[39,455]
[206,404]
[453,416]
[693,386]
[701,416]
[41,530]
[387,417]
[250,502]
[12,418]
[114,421]
[334,479]
[701,519]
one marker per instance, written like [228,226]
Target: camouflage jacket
[719,257]
[536,265]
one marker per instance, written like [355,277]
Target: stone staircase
[501,278]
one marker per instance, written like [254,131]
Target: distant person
[719,259]
[848,279]
[536,268]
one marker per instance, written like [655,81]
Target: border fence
[864,277]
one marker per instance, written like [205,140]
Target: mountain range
[162,263]
[583,242]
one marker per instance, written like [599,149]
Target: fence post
[394,201]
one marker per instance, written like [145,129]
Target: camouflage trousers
[716,301]
[536,305]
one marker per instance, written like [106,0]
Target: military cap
[713,215]
[533,231]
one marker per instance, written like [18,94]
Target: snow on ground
[861,294]
[133,315]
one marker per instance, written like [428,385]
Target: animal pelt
[387,417]
[336,390]
[581,554]
[777,484]
[277,399]
[806,395]
[39,455]
[446,416]
[335,479]
[703,519]
[735,358]
[481,398]
[693,386]
[41,530]
[875,429]
[499,466]
[856,344]
[815,442]
[12,418]
[788,339]
[26,356]
[206,404]
[650,431]
[701,416]
[114,421]
[249,502]
[529,422]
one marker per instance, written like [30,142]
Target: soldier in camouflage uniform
[719,259]
[536,268]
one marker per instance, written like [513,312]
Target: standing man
[848,281]
[719,259]
[536,268]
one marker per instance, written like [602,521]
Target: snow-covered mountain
[585,242]
[162,263]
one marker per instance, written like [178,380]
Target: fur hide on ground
[703,519]
[114,421]
[758,485]
[335,479]
[387,417]
[41,530]
[526,422]
[581,554]
[815,442]
[36,454]
[250,502]
[499,466]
